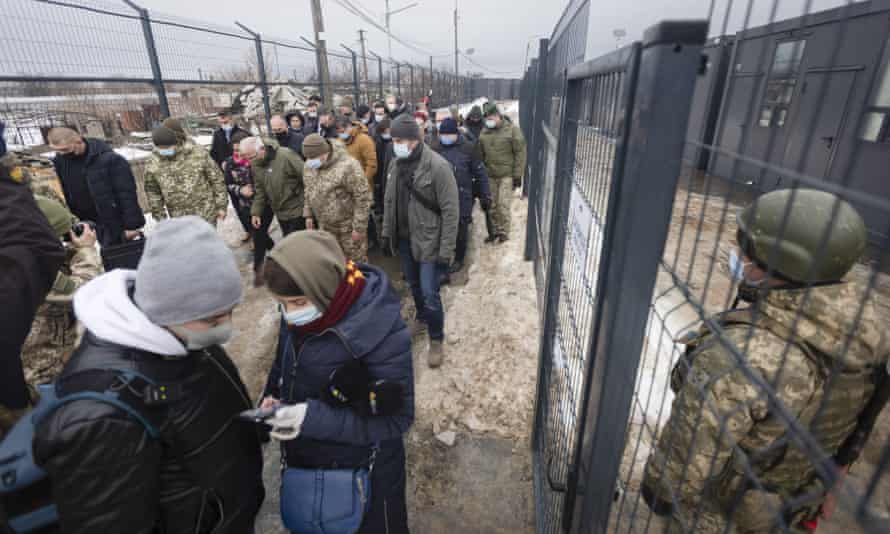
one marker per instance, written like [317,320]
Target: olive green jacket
[278,183]
[503,150]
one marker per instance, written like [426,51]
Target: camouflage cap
[792,250]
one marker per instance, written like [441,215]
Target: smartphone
[258,415]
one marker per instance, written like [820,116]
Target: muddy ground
[475,477]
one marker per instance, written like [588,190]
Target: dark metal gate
[618,148]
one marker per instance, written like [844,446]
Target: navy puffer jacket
[467,166]
[372,331]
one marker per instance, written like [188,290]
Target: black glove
[386,246]
[485,202]
[350,386]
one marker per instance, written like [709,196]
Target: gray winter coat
[433,237]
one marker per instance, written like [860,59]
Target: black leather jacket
[203,474]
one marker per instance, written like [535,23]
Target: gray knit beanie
[405,127]
[186,273]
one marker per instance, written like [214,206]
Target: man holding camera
[98,184]
[54,330]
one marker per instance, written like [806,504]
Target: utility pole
[389,14]
[361,37]
[456,49]
[322,51]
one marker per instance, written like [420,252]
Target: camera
[78,227]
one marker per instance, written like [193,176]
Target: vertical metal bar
[380,73]
[261,66]
[536,116]
[413,92]
[153,58]
[639,211]
[399,80]
[356,91]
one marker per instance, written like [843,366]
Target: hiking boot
[503,238]
[456,267]
[436,354]
[491,239]
[418,328]
[259,280]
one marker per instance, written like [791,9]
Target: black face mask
[282,137]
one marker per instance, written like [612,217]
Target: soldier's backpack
[24,486]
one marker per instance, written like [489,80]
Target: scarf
[349,291]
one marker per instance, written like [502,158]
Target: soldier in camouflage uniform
[54,330]
[338,199]
[721,464]
[182,179]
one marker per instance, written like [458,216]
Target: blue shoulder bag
[324,501]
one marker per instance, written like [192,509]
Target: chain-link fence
[110,69]
[708,231]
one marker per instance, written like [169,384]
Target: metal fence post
[413,92]
[261,67]
[640,203]
[535,152]
[356,91]
[399,80]
[152,57]
[321,87]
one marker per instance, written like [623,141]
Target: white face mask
[738,268]
[313,163]
[344,136]
[402,150]
[302,316]
[167,152]
[312,114]
[194,340]
[490,124]
[386,136]
[391,107]
[366,121]
[380,116]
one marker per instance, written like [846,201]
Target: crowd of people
[168,439]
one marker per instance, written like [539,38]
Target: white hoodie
[105,308]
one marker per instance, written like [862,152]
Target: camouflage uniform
[189,183]
[41,182]
[503,151]
[54,330]
[337,195]
[697,471]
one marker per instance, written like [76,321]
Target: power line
[483,67]
[357,11]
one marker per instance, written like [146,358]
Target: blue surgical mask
[301,317]
[386,137]
[194,340]
[313,163]
[448,140]
[167,152]
[737,266]
[490,124]
[402,150]
[344,136]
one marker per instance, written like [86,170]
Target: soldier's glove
[485,202]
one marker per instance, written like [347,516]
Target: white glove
[287,421]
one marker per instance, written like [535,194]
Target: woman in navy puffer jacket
[335,312]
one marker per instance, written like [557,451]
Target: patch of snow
[203,140]
[133,154]
[448,438]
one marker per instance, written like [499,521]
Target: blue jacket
[373,331]
[112,186]
[467,165]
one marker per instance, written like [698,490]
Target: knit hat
[316,263]
[404,127]
[163,136]
[315,146]
[186,273]
[58,215]
[490,109]
[176,126]
[362,110]
[475,113]
[346,101]
[448,126]
[384,124]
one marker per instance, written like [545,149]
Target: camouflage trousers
[355,251]
[49,344]
[710,520]
[501,199]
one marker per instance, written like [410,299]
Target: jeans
[294,225]
[424,277]
[262,242]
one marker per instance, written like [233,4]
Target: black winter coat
[293,140]
[112,186]
[221,148]
[110,477]
[385,155]
[310,126]
[30,257]
[468,167]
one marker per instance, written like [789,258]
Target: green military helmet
[809,217]
[58,215]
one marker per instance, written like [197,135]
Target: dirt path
[475,477]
